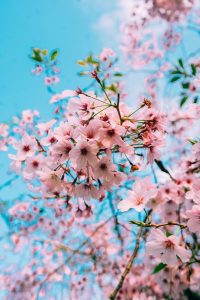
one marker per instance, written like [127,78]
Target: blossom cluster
[93,153]
[81,155]
[110,182]
[142,42]
[46,63]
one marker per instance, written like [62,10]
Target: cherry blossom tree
[112,207]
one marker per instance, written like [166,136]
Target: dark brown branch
[118,109]
[129,264]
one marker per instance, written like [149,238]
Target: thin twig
[76,251]
[118,109]
[143,224]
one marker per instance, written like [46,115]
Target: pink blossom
[26,147]
[60,151]
[194,219]
[19,208]
[34,164]
[143,191]
[107,52]
[55,79]
[86,191]
[3,130]
[50,139]
[81,105]
[3,145]
[194,193]
[51,179]
[63,131]
[110,135]
[104,169]
[37,71]
[56,70]
[28,115]
[45,127]
[90,131]
[48,81]
[153,143]
[166,248]
[83,154]
[196,150]
[63,95]
[51,80]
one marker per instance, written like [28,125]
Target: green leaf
[175,72]
[83,73]
[44,51]
[183,100]
[36,51]
[54,54]
[112,88]
[118,74]
[168,233]
[90,60]
[193,142]
[194,69]
[191,295]
[81,63]
[158,268]
[180,61]
[175,78]
[161,166]
[186,85]
[103,83]
[37,57]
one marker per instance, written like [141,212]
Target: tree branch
[76,251]
[143,224]
[129,264]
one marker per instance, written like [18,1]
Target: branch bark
[129,264]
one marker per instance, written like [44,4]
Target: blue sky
[64,24]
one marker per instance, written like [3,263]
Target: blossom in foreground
[194,219]
[26,148]
[143,191]
[166,248]
[83,154]
[110,135]
[104,169]
[80,165]
[194,193]
[196,150]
